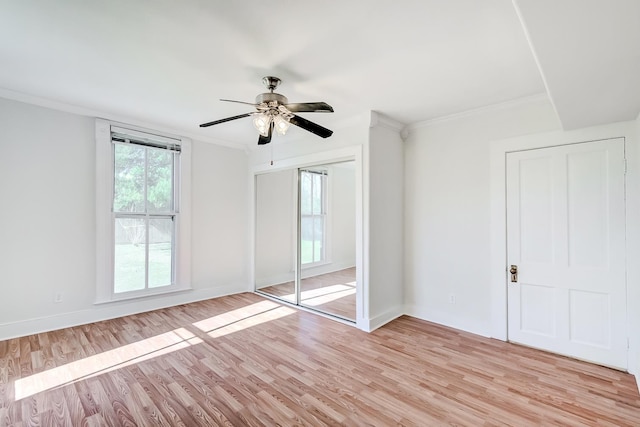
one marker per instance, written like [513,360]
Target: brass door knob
[514,273]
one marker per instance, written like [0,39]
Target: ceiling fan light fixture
[262,122]
[281,124]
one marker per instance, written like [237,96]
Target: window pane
[317,193]
[306,243]
[129,259]
[305,193]
[159,180]
[318,231]
[129,178]
[160,253]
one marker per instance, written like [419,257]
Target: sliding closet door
[276,234]
[327,215]
[305,222]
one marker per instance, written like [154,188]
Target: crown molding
[406,131]
[379,119]
[88,112]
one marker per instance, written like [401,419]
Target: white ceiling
[166,63]
[589,55]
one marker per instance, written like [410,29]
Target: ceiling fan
[273,111]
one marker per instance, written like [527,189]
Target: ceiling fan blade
[228,119]
[310,107]
[311,127]
[239,102]
[262,140]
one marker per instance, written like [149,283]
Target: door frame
[498,225]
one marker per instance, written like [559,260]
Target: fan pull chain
[271,148]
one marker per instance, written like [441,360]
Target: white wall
[447,211]
[219,215]
[633,250]
[47,222]
[385,224]
[47,219]
[342,207]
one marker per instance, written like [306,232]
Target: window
[142,227]
[145,211]
[313,216]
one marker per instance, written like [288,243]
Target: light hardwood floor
[243,360]
[333,293]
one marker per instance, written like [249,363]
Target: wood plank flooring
[333,293]
[243,360]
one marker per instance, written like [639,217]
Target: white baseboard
[633,359]
[634,365]
[263,282]
[375,322]
[450,321]
[112,310]
[331,267]
[327,268]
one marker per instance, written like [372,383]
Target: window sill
[129,297]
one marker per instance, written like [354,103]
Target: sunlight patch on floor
[236,315]
[105,362]
[243,318]
[325,290]
[328,297]
[323,295]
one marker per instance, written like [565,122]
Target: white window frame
[105,238]
[325,216]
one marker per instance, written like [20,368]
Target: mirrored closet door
[276,234]
[305,237]
[327,239]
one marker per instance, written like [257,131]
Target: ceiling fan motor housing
[270,96]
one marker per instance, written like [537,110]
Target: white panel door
[566,235]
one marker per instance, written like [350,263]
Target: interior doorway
[566,250]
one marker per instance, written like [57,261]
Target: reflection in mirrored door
[275,235]
[310,212]
[327,238]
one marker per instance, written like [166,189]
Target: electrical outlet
[57,297]
[452,298]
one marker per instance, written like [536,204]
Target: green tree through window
[144,215]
